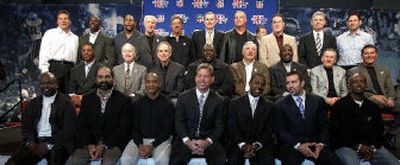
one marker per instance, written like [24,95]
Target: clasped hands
[366,151]
[96,151]
[310,149]
[249,150]
[145,150]
[197,146]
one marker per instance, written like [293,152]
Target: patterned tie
[127,77]
[300,104]
[318,44]
[253,107]
[209,39]
[201,108]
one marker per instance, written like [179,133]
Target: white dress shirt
[93,36]
[87,67]
[249,70]
[44,127]
[57,45]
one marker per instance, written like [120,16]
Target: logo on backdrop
[239,4]
[260,4]
[220,4]
[259,20]
[199,18]
[180,3]
[200,4]
[183,16]
[221,19]
[160,3]
[160,18]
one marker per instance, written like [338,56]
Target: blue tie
[300,104]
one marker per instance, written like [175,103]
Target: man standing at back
[130,34]
[58,50]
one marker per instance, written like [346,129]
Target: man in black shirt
[182,49]
[357,127]
[152,125]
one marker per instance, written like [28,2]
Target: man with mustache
[199,121]
[48,126]
[301,125]
[130,34]
[103,45]
[102,123]
[250,125]
[357,127]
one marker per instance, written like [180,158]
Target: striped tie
[201,108]
[318,44]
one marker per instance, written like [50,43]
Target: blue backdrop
[192,12]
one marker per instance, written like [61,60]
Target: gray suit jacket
[173,82]
[146,56]
[384,79]
[136,82]
[319,81]
[78,83]
[103,49]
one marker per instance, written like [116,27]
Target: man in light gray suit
[129,76]
[380,87]
[327,79]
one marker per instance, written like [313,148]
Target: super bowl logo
[200,4]
[183,16]
[160,18]
[260,4]
[199,18]
[160,3]
[180,3]
[239,4]
[221,19]
[259,20]
[220,4]
[161,32]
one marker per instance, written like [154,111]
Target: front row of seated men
[109,128]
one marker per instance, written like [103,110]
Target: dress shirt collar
[59,30]
[250,64]
[348,33]
[321,34]
[49,99]
[302,95]
[359,103]
[129,65]
[95,33]
[198,93]
[90,64]
[251,98]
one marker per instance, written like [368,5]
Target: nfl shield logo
[221,19]
[183,16]
[239,4]
[160,3]
[220,4]
[199,18]
[260,4]
[259,20]
[160,18]
[199,4]
[180,3]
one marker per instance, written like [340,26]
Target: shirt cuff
[296,147]
[240,145]
[209,140]
[185,139]
[259,145]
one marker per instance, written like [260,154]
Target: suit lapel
[380,76]
[312,41]
[336,79]
[242,71]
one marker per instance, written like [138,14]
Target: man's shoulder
[236,65]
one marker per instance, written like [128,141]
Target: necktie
[87,70]
[201,108]
[300,104]
[209,39]
[127,77]
[318,44]
[253,107]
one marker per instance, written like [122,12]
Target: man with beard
[357,127]
[103,45]
[130,34]
[278,72]
[242,71]
[152,119]
[223,83]
[301,125]
[199,121]
[102,123]
[250,125]
[48,126]
[148,42]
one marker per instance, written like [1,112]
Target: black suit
[103,49]
[110,127]
[212,126]
[62,120]
[277,74]
[199,40]
[146,54]
[79,84]
[292,129]
[242,127]
[172,78]
[308,52]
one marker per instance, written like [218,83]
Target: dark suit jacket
[239,75]
[78,83]
[103,49]
[199,40]
[308,53]
[62,120]
[291,128]
[223,82]
[146,56]
[228,51]
[242,127]
[110,127]
[173,81]
[187,116]
[277,74]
